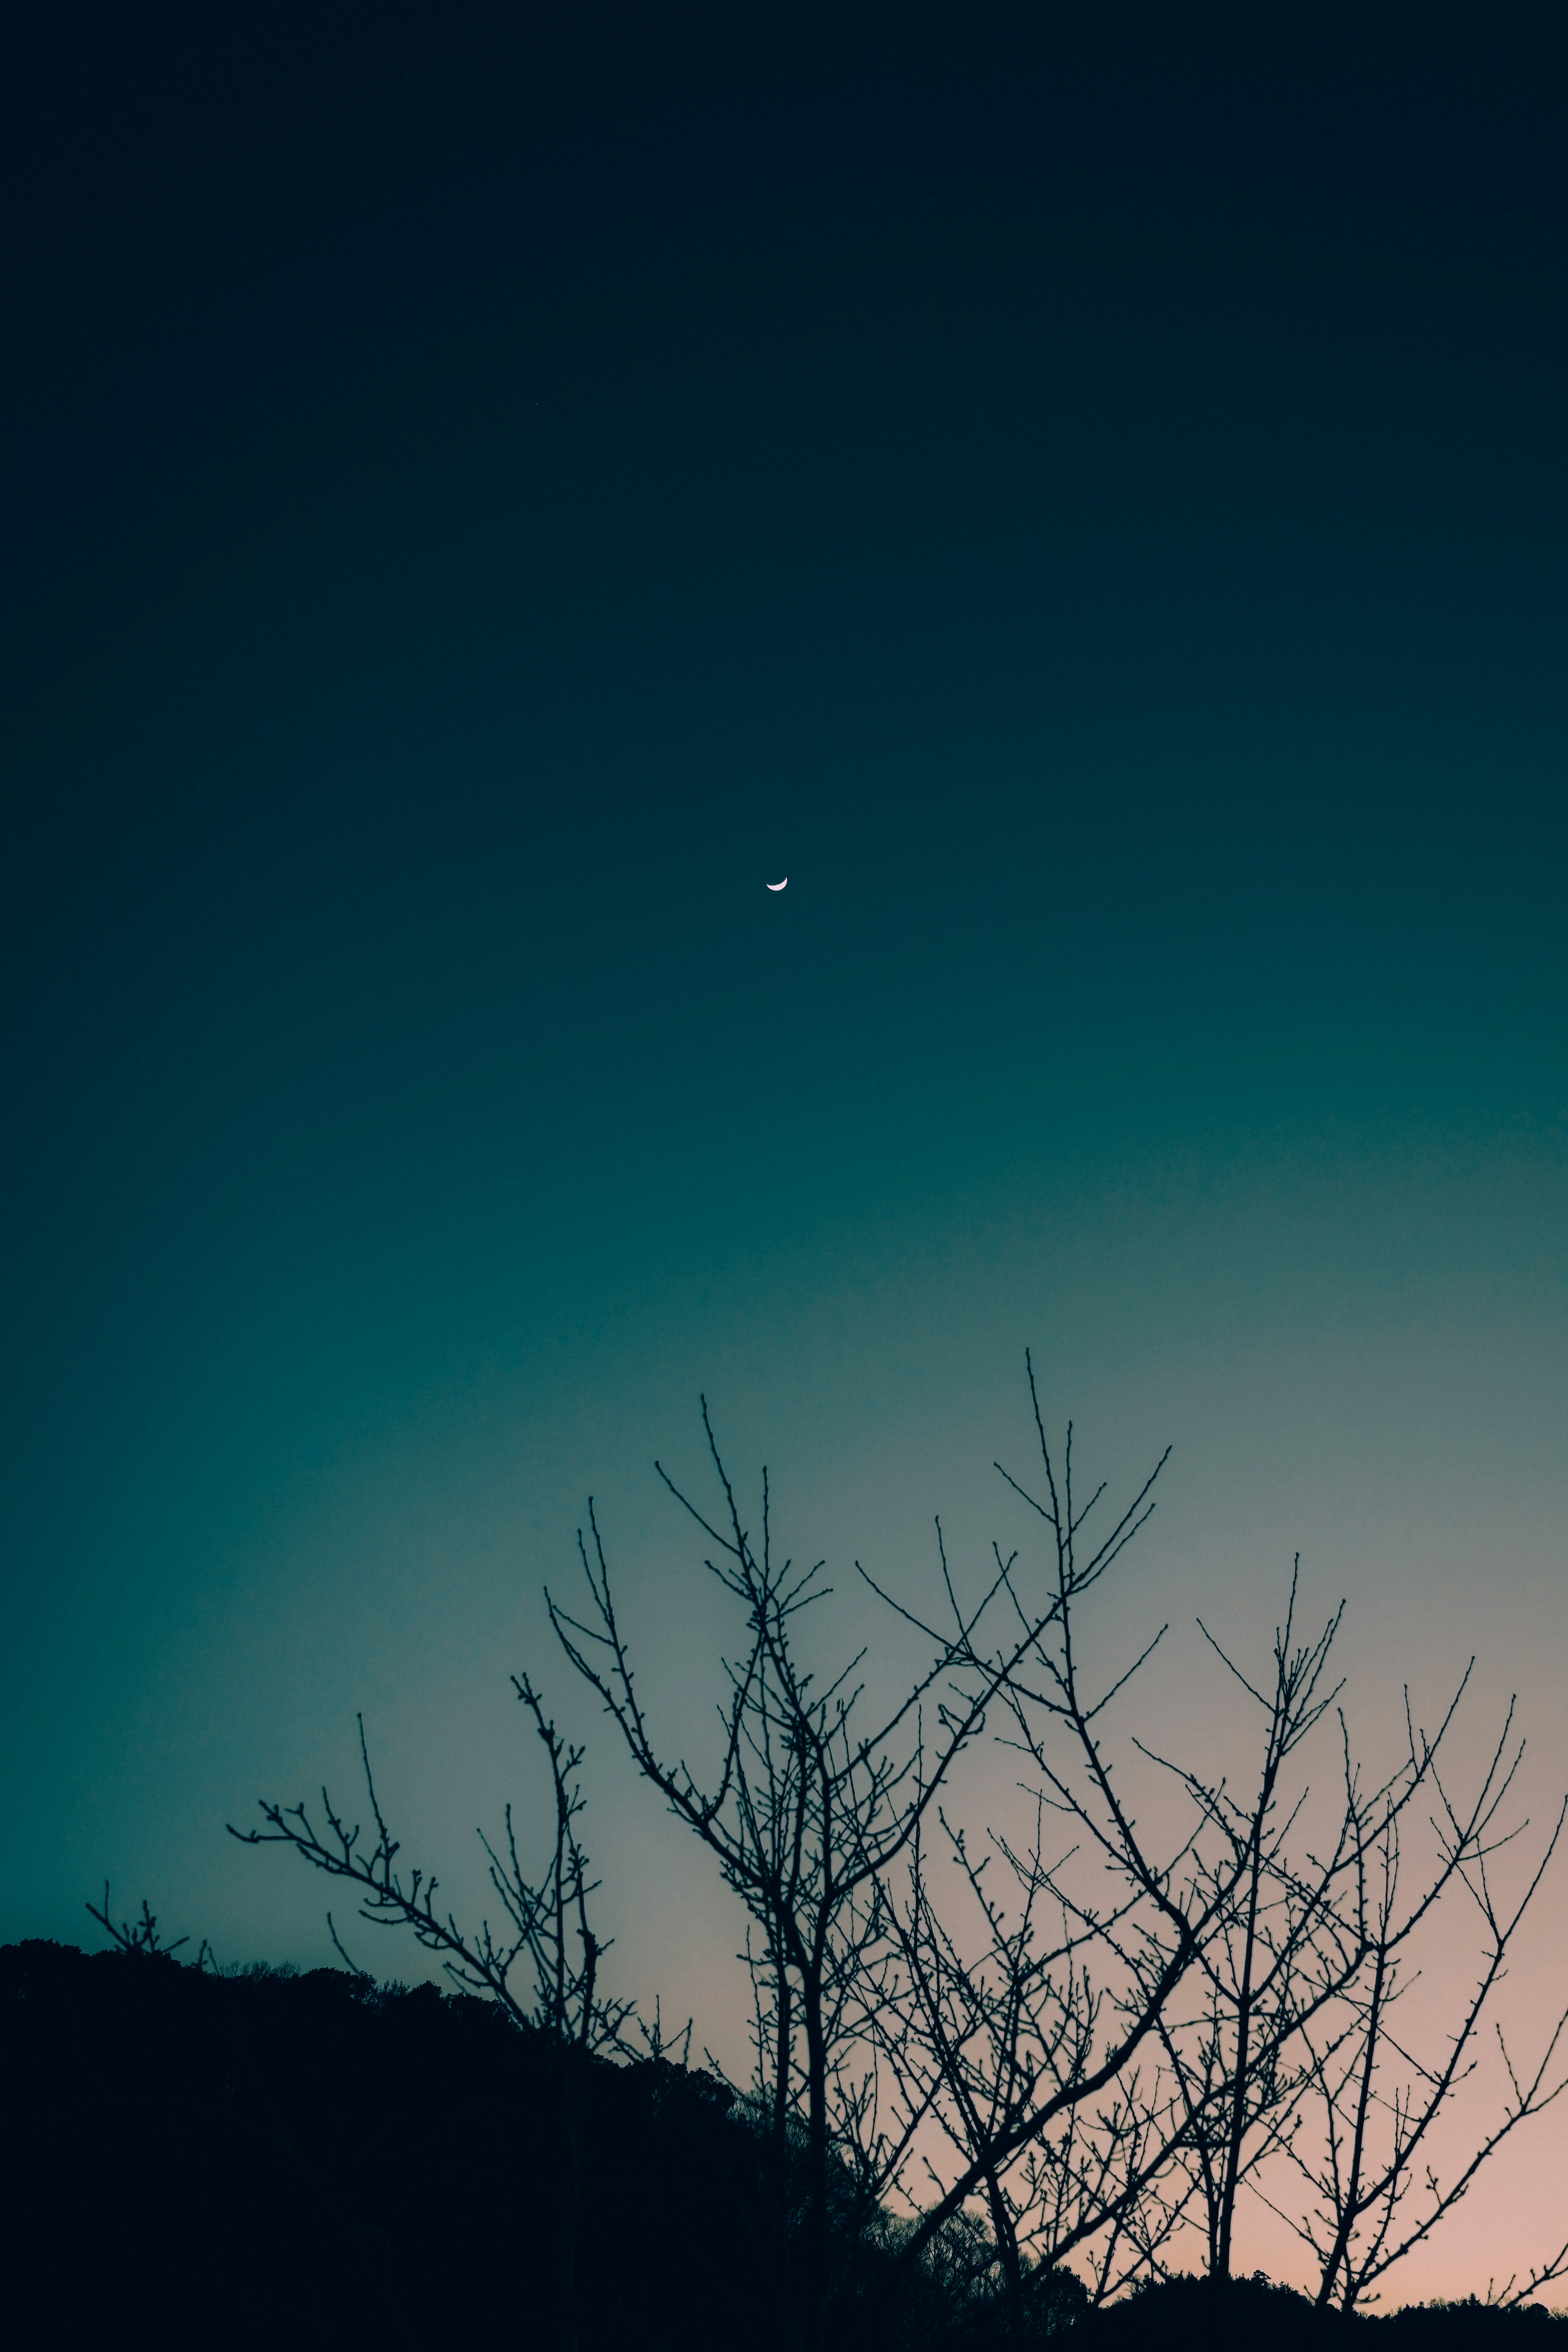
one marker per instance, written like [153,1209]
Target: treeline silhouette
[260,2158]
[255,2157]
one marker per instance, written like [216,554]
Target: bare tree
[807,1815]
[1100,2065]
[1069,2117]
[541,1968]
[141,1936]
[1293,1938]
[987,2030]
[1378,2103]
[1150,2055]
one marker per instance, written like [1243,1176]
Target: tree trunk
[816,2172]
[1350,2205]
[1219,2273]
[1006,2238]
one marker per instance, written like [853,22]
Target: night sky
[1083,491]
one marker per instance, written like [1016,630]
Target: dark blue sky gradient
[1084,491]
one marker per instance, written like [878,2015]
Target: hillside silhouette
[260,2158]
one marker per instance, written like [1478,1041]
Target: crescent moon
[779,885]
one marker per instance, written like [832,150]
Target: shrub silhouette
[1185,2314]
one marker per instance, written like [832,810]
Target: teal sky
[1087,501]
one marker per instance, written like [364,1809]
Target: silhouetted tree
[1375,2133]
[1093,2082]
[1095,2070]
[543,1968]
[1295,1939]
[807,1816]
[1031,2064]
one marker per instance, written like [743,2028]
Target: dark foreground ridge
[261,2157]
